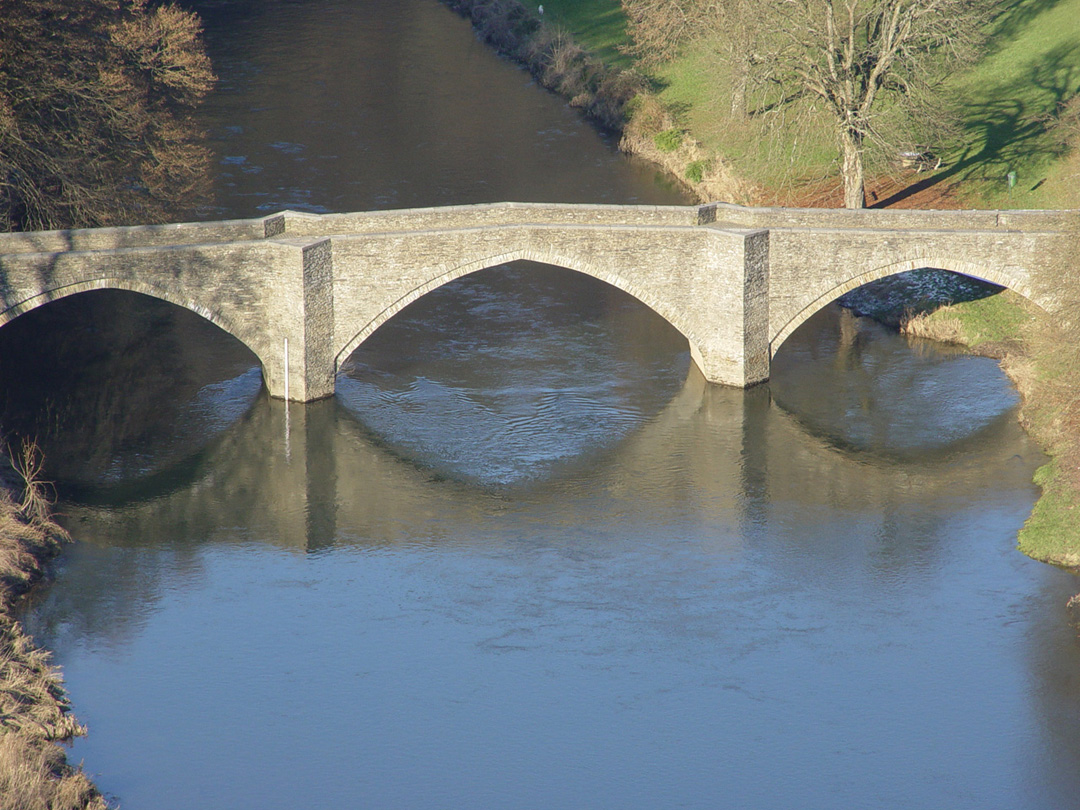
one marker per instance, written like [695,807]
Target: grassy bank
[1018,110]
[1038,352]
[34,718]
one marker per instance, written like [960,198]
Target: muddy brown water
[526,557]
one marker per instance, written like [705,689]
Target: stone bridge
[303,291]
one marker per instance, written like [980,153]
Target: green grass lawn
[598,25]
[995,319]
[1050,531]
[696,85]
[1032,65]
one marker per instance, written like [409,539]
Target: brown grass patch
[940,325]
[32,699]
[34,775]
[34,711]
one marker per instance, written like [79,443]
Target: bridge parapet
[490,215]
[896,220]
[119,238]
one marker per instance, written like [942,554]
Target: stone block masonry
[736,282]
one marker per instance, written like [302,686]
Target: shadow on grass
[1008,127]
[1014,19]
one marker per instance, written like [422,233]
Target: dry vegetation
[34,712]
[95,113]
[35,776]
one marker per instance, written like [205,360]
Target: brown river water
[526,557]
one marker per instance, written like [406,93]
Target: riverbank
[611,93]
[678,115]
[1038,352]
[34,710]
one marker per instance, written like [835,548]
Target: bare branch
[95,124]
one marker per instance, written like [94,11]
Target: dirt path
[921,190]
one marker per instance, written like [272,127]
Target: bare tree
[95,112]
[869,60]
[872,66]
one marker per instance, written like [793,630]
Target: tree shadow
[1015,18]
[1009,126]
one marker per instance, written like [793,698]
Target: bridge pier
[728,304]
[298,364]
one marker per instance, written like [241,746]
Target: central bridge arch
[444,274]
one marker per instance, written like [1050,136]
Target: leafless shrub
[558,62]
[38,494]
[95,113]
[504,24]
[614,94]
[659,29]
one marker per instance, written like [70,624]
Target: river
[526,557]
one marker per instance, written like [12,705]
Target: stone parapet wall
[487,215]
[183,233]
[895,220]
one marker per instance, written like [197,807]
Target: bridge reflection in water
[326,480]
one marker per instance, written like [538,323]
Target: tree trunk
[851,168]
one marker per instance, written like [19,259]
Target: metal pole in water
[286,369]
[288,452]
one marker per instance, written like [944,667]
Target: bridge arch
[446,274]
[1012,281]
[130,285]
